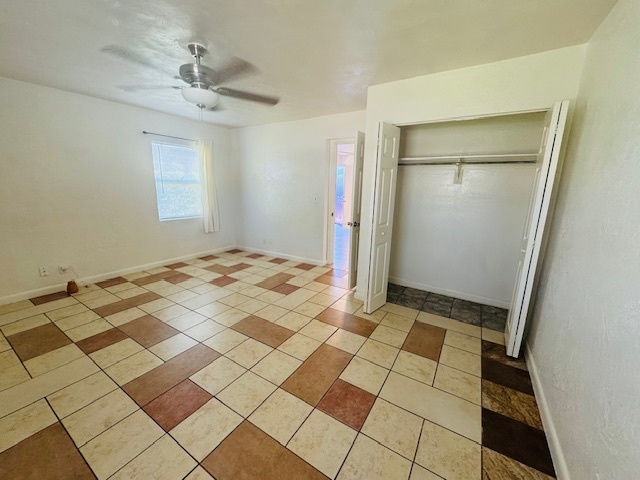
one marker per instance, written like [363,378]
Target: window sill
[179,218]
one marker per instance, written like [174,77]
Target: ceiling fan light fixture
[200,97]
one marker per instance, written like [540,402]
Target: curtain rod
[168,136]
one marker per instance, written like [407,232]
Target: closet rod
[168,136]
[458,158]
[503,162]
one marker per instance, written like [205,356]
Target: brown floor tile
[305,266]
[274,281]
[48,298]
[111,282]
[511,377]
[347,403]
[285,289]
[335,281]
[499,467]
[249,453]
[239,266]
[263,331]
[223,281]
[173,266]
[278,261]
[101,340]
[126,304]
[37,341]
[511,403]
[148,330]
[348,322]
[154,278]
[316,375]
[255,256]
[173,406]
[206,258]
[516,440]
[498,353]
[181,277]
[336,273]
[166,376]
[234,251]
[220,269]
[50,453]
[425,340]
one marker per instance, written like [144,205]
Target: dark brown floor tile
[425,340]
[173,406]
[126,304]
[37,341]
[179,278]
[239,266]
[305,266]
[207,258]
[112,282]
[315,376]
[166,376]
[511,403]
[101,340]
[499,467]
[285,289]
[335,281]
[263,331]
[173,266]
[505,375]
[219,269]
[347,403]
[155,278]
[255,256]
[234,251]
[516,440]
[250,454]
[48,298]
[50,453]
[274,281]
[148,330]
[278,261]
[347,322]
[223,281]
[498,353]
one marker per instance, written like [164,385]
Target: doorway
[341,198]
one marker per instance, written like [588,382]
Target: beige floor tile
[400,310]
[95,418]
[12,376]
[164,460]
[169,313]
[13,307]
[416,367]
[493,336]
[74,397]
[324,300]
[25,422]
[281,415]
[75,321]
[458,383]
[420,473]
[299,346]
[254,291]
[205,330]
[246,393]
[203,430]
[398,322]
[181,296]
[199,473]
[121,287]
[125,316]
[378,353]
[323,442]
[276,367]
[218,375]
[230,317]
[309,309]
[234,300]
[212,309]
[393,427]
[132,292]
[375,317]
[186,321]
[346,306]
[463,342]
[368,460]
[106,299]
[295,299]
[449,455]
[54,359]
[155,305]
[56,315]
[112,354]
[25,324]
[347,341]
[364,374]
[440,407]
[461,360]
[37,310]
[252,305]
[388,335]
[269,296]
[293,321]
[318,330]
[249,352]
[225,341]
[8,359]
[202,289]
[449,324]
[114,448]
[303,282]
[271,313]
[93,293]
[171,290]
[85,331]
[4,345]
[172,346]
[132,367]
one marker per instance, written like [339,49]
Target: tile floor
[239,366]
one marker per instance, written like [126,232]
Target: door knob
[353,224]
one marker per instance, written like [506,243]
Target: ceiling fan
[203,88]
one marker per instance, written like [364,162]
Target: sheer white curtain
[210,211]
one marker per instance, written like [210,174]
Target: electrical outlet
[44,271]
[63,269]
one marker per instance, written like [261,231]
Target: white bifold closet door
[530,253]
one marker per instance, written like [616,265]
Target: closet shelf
[506,158]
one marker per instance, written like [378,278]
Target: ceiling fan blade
[234,69]
[242,95]
[131,56]
[135,88]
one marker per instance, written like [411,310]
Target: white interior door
[548,157]
[384,201]
[356,207]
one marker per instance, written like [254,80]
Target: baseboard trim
[269,253]
[450,293]
[16,297]
[559,462]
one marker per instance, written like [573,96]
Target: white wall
[585,340]
[77,187]
[525,83]
[283,183]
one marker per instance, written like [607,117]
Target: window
[177,181]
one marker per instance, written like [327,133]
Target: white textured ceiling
[319,56]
